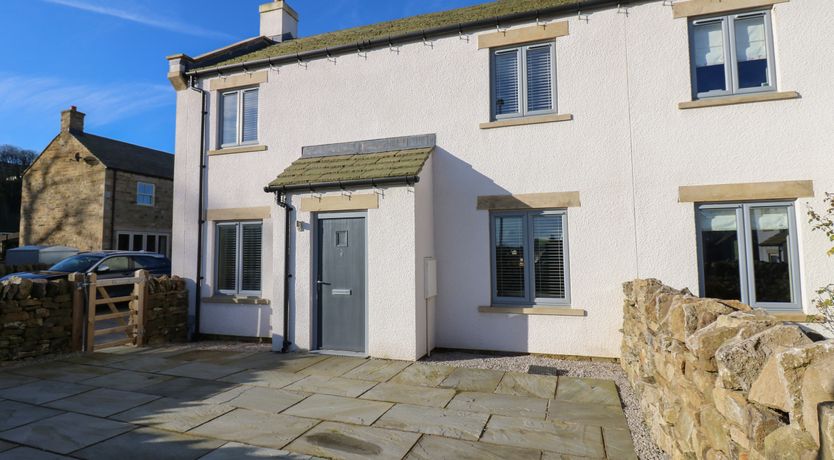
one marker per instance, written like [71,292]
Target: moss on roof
[341,168]
[383,30]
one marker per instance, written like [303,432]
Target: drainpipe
[281,199]
[198,281]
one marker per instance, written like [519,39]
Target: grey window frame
[522,83]
[529,273]
[152,195]
[239,118]
[747,275]
[238,257]
[730,57]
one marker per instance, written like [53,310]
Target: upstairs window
[238,256]
[145,194]
[239,120]
[732,54]
[523,81]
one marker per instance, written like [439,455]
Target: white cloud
[139,17]
[42,98]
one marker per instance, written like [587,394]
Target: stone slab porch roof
[361,166]
[382,30]
[126,157]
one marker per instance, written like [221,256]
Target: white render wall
[626,151]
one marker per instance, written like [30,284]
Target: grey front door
[341,283]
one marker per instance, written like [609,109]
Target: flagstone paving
[175,403]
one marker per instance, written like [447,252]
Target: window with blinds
[239,117]
[238,258]
[529,258]
[523,81]
[732,54]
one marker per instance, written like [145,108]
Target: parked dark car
[105,264]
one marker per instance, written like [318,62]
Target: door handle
[322,283]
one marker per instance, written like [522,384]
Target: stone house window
[145,193]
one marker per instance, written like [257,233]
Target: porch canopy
[340,171]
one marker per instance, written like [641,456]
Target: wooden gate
[130,322]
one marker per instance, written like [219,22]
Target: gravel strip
[643,444]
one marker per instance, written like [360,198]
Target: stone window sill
[551,118]
[798,317]
[241,149]
[738,99]
[544,311]
[230,299]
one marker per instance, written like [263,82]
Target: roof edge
[420,141]
[581,5]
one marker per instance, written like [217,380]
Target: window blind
[549,256]
[509,256]
[539,78]
[229,105]
[506,82]
[250,257]
[226,257]
[250,116]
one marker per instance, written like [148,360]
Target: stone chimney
[72,121]
[278,21]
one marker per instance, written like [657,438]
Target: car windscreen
[80,263]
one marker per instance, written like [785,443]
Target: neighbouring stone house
[93,193]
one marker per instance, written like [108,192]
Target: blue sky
[108,57]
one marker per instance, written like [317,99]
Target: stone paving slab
[258,398]
[333,366]
[618,444]
[63,372]
[465,379]
[102,402]
[187,389]
[43,391]
[146,364]
[587,414]
[349,442]
[592,391]
[200,370]
[377,370]
[95,358]
[127,380]
[66,433]
[339,409]
[27,453]
[432,420]
[535,386]
[14,414]
[434,447]
[13,380]
[209,356]
[4,446]
[263,378]
[292,362]
[236,450]
[426,375]
[149,443]
[410,394]
[563,438]
[256,428]
[514,406]
[335,386]
[173,415]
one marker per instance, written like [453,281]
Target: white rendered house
[486,178]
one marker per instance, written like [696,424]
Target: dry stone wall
[35,318]
[166,316]
[720,380]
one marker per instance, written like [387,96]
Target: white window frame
[529,275]
[238,258]
[144,235]
[139,193]
[746,273]
[239,118]
[730,57]
[522,83]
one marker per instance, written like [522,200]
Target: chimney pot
[278,21]
[72,121]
